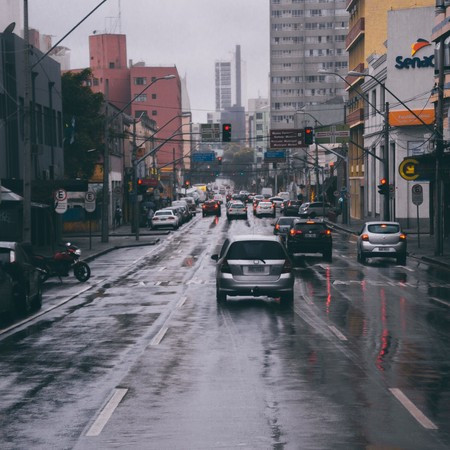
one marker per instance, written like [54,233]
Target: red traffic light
[383,181]
[308,130]
[227,127]
[139,181]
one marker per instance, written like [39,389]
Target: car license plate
[310,235]
[256,269]
[384,249]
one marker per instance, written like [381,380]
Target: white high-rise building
[306,37]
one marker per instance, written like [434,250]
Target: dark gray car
[254,265]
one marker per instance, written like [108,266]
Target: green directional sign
[332,134]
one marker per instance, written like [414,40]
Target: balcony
[351,80]
[355,33]
[356,117]
[350,3]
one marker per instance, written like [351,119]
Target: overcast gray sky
[191,34]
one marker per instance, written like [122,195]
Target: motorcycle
[60,264]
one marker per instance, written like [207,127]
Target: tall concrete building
[306,36]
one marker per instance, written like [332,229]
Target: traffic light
[383,187]
[141,187]
[309,135]
[219,160]
[226,132]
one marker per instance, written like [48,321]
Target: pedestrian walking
[118,216]
[150,214]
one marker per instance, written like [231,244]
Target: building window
[154,96]
[112,65]
[374,102]
[141,98]
[154,112]
[95,81]
[140,112]
[140,81]
[259,116]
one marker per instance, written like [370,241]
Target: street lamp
[105,203]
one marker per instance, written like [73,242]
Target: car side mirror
[215,257]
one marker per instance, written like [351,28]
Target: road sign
[408,169]
[417,194]
[210,132]
[277,156]
[60,205]
[89,201]
[287,138]
[203,156]
[332,134]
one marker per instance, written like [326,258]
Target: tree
[83,125]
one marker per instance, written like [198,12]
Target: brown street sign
[286,138]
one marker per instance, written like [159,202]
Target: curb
[117,247]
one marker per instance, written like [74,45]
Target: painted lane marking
[442,302]
[159,337]
[157,283]
[337,333]
[107,412]
[181,302]
[161,269]
[413,410]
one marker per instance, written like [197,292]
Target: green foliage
[83,107]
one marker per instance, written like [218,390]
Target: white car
[236,210]
[277,201]
[284,195]
[218,198]
[165,218]
[265,209]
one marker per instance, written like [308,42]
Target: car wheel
[21,299]
[401,260]
[287,298]
[362,258]
[220,296]
[327,255]
[37,301]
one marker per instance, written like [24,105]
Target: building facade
[367,35]
[305,37]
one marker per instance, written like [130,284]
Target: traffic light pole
[387,201]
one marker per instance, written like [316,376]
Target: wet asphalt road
[141,356]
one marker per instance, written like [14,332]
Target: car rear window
[256,250]
[163,213]
[237,205]
[384,228]
[285,221]
[313,227]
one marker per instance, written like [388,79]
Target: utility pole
[439,150]
[105,196]
[135,222]
[174,194]
[26,163]
[386,204]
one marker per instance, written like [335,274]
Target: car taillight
[289,204]
[155,218]
[287,267]
[225,267]
[171,218]
[216,206]
[277,227]
[403,236]
[293,232]
[203,206]
[326,232]
[365,237]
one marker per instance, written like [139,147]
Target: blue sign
[203,156]
[279,155]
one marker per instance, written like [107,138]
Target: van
[267,192]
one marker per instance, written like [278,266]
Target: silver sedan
[382,240]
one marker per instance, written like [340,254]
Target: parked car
[292,208]
[187,214]
[310,236]
[211,207]
[314,209]
[180,211]
[265,209]
[165,218]
[26,277]
[7,300]
[283,225]
[237,210]
[254,265]
[382,239]
[191,204]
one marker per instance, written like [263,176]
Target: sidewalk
[121,237]
[427,245]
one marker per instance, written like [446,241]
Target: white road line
[337,333]
[159,337]
[181,302]
[107,412]
[157,283]
[442,302]
[406,268]
[161,269]
[413,410]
